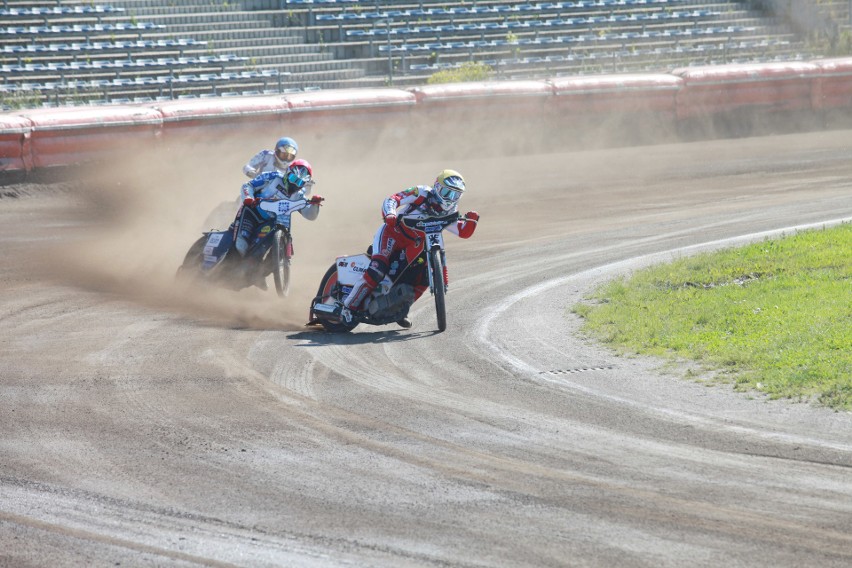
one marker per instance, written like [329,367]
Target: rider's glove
[390,221]
[467,225]
[251,201]
[316,200]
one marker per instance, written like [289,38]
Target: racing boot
[404,323]
[360,292]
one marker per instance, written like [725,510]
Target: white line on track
[483,330]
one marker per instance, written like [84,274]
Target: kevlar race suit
[263,161]
[415,202]
[268,186]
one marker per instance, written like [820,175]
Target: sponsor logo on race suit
[389,246]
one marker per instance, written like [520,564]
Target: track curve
[146,424]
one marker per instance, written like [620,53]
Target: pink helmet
[298,174]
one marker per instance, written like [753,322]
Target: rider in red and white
[419,202]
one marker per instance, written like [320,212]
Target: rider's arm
[465,226]
[253,167]
[246,191]
[390,205]
[412,196]
[310,212]
[250,189]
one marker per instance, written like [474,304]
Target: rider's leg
[384,242]
[368,282]
[245,225]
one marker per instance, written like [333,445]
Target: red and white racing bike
[415,267]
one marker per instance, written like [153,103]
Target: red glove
[316,200]
[251,201]
[467,225]
[390,221]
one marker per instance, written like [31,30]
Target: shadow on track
[319,337]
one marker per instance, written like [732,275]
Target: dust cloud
[138,212]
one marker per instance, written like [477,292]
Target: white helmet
[285,152]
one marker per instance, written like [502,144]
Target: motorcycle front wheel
[281,263]
[438,287]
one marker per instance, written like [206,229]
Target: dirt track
[148,425]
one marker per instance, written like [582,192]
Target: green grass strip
[774,316]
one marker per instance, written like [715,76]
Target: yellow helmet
[448,189]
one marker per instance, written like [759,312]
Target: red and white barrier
[184,115]
[834,87]
[71,135]
[624,94]
[338,110]
[769,87]
[46,137]
[15,151]
[498,99]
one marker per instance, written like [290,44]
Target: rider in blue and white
[290,185]
[279,158]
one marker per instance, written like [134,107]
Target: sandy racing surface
[146,424]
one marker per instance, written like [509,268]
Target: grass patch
[470,71]
[774,316]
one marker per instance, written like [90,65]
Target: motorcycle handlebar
[272,205]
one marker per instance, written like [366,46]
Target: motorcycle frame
[428,237]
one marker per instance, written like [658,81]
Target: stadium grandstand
[85,52]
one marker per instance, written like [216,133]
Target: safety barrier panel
[338,110]
[70,135]
[834,88]
[631,93]
[186,115]
[769,87]
[15,152]
[485,96]
[46,137]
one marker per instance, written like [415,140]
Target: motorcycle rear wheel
[439,289]
[280,263]
[192,260]
[328,289]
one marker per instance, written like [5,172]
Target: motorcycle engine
[399,296]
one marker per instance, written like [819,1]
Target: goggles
[299,177]
[448,193]
[286,153]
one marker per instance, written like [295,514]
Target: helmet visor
[298,177]
[449,194]
[285,153]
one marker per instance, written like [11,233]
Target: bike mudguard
[351,268]
[217,246]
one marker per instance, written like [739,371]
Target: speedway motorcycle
[213,257]
[417,265]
